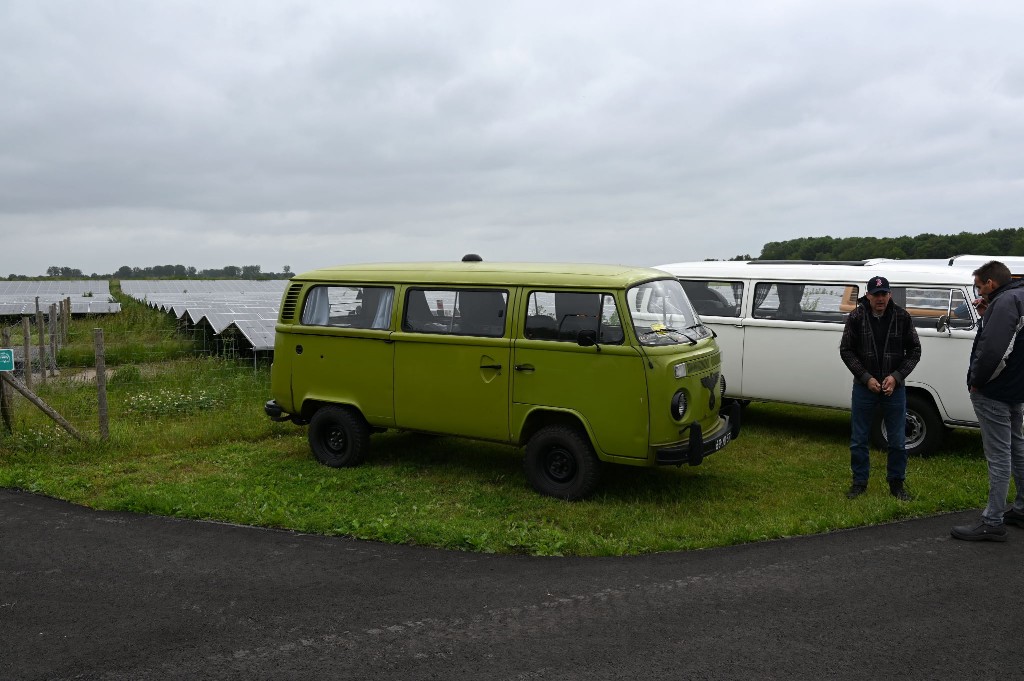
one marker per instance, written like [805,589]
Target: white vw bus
[779,324]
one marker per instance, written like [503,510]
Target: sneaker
[1014,517]
[979,532]
[856,489]
[898,490]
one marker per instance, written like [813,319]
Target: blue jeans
[1003,440]
[894,411]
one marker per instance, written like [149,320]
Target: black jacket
[899,356]
[997,356]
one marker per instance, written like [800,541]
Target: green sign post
[6,359]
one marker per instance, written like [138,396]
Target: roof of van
[488,273]
[898,272]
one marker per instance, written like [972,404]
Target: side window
[807,302]
[926,305]
[350,307]
[714,298]
[561,315]
[456,312]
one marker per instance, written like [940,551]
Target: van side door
[607,387]
[720,304]
[341,352]
[452,361]
[791,343]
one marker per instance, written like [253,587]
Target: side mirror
[586,338]
[942,324]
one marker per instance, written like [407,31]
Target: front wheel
[339,436]
[560,462]
[925,430]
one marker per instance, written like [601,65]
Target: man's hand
[874,386]
[888,385]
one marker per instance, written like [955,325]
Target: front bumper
[698,447]
[272,409]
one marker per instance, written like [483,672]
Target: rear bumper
[698,447]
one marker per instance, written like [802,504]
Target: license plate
[722,441]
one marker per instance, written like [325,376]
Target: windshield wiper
[668,329]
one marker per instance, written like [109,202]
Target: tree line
[164,272]
[998,242]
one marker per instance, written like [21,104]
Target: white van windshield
[662,314]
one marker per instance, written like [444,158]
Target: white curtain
[318,310]
[382,319]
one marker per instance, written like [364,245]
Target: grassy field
[188,438]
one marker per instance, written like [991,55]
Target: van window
[662,314]
[561,315]
[456,312]
[714,298]
[807,302]
[351,307]
[926,305]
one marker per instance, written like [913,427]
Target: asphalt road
[99,595]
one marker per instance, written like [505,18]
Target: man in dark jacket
[996,382]
[880,348]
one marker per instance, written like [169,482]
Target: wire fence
[83,378]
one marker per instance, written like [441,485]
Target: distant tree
[250,271]
[286,269]
[922,246]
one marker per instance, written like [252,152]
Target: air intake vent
[291,298]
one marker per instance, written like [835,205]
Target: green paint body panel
[495,389]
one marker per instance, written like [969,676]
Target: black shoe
[856,489]
[1014,517]
[897,489]
[979,532]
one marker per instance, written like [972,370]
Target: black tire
[925,430]
[560,462]
[339,436]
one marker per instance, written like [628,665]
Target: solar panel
[248,306]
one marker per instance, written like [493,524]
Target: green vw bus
[577,363]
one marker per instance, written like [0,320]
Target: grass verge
[188,439]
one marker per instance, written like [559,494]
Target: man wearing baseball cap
[880,347]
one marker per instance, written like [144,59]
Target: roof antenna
[472,257]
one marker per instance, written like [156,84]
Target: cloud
[308,134]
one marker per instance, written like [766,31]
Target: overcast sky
[307,134]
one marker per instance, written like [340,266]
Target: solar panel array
[88,296]
[248,306]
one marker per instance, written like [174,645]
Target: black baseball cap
[878,284]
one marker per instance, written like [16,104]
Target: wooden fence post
[6,408]
[36,400]
[66,318]
[54,333]
[26,349]
[101,383]
[42,343]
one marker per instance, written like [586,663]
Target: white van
[779,324]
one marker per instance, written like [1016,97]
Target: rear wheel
[339,436]
[925,430]
[560,462]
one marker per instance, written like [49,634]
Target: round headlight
[679,405]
